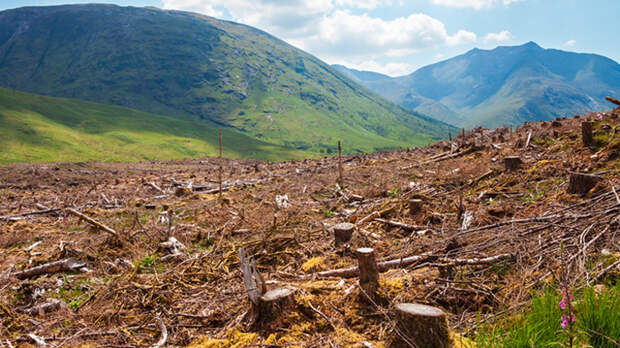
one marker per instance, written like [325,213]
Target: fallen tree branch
[402,225]
[36,212]
[406,261]
[164,334]
[93,222]
[52,267]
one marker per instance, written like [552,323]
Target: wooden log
[343,233]
[93,222]
[580,183]
[52,267]
[512,163]
[420,326]
[369,274]
[612,100]
[586,134]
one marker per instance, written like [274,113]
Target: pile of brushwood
[150,254]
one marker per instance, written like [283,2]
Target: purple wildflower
[565,320]
[600,116]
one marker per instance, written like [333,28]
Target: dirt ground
[485,236]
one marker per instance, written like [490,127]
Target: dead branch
[164,333]
[93,222]
[53,267]
[402,225]
[406,261]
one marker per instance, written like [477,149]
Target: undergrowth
[597,324]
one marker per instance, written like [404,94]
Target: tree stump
[415,206]
[266,305]
[586,133]
[369,275]
[512,163]
[580,183]
[273,303]
[343,233]
[420,326]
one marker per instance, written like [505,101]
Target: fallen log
[384,266]
[93,222]
[52,267]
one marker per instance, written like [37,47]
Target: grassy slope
[40,129]
[196,67]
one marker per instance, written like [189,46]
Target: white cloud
[330,30]
[476,4]
[502,36]
[390,69]
[570,43]
[363,4]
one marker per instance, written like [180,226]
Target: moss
[235,339]
[314,264]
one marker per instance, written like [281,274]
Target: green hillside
[504,86]
[43,129]
[195,67]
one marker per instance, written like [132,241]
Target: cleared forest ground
[485,238]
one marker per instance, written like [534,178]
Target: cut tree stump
[586,133]
[420,326]
[369,274]
[343,233]
[415,206]
[580,183]
[512,163]
[273,303]
[266,305]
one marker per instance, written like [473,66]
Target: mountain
[407,98]
[38,128]
[508,85]
[195,67]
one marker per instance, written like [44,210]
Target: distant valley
[503,86]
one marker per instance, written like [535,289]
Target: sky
[396,37]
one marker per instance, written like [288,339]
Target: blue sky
[397,36]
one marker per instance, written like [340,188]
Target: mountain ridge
[520,83]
